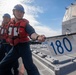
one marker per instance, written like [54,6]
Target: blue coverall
[4,48]
[2,52]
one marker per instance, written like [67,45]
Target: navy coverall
[2,52]
[20,50]
[4,48]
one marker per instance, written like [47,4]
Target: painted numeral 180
[60,48]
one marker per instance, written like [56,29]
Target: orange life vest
[16,32]
[3,31]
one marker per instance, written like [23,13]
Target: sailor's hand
[41,38]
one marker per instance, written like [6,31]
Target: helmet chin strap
[17,18]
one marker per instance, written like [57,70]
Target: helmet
[19,7]
[6,15]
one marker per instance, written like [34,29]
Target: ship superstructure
[69,20]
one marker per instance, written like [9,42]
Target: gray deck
[49,65]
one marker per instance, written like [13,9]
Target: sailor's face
[18,14]
[6,19]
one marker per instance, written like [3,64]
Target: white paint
[62,46]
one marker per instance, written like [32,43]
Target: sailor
[19,31]
[5,47]
[6,19]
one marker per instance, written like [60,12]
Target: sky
[45,16]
